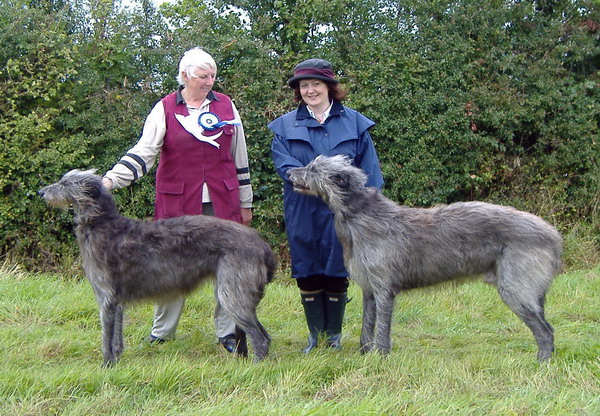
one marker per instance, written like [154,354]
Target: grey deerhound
[390,248]
[129,260]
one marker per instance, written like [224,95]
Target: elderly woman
[203,167]
[321,125]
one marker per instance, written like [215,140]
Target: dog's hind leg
[543,333]
[368,324]
[259,337]
[526,300]
[239,295]
[533,317]
[246,322]
[241,344]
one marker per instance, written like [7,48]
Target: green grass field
[457,350]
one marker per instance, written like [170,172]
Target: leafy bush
[495,101]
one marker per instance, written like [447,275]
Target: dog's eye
[340,181]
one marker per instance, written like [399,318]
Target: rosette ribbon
[210,121]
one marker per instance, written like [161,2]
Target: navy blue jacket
[299,138]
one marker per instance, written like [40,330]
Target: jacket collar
[302,114]
[211,96]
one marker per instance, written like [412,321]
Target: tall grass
[457,351]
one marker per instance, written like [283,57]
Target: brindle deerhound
[390,248]
[130,260]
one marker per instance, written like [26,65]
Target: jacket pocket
[171,188]
[233,195]
[170,200]
[231,184]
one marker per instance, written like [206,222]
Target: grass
[457,351]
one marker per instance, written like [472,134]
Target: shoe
[228,342]
[155,340]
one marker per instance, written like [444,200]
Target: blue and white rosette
[210,121]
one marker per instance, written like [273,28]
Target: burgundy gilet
[187,163]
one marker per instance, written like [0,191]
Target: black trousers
[317,282]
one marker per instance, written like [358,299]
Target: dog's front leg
[117,339]
[108,316]
[368,324]
[385,308]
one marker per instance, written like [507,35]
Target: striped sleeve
[140,158]
[239,153]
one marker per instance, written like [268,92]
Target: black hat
[313,68]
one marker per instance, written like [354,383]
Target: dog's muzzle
[295,178]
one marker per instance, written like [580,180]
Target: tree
[496,101]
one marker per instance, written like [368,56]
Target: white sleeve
[239,152]
[140,158]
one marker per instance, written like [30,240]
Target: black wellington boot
[314,311]
[335,306]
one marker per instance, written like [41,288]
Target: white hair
[192,59]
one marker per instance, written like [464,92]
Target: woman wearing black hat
[320,125]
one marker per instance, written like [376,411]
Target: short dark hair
[335,92]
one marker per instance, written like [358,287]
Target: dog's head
[74,188]
[327,177]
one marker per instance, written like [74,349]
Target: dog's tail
[271,263]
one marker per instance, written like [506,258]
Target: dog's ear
[95,189]
[341,180]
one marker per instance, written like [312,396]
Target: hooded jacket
[299,138]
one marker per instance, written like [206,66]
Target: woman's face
[202,81]
[314,92]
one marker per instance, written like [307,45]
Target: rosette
[210,121]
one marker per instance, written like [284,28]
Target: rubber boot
[335,306]
[315,318]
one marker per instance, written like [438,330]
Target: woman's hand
[107,183]
[246,216]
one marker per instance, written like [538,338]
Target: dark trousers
[319,282]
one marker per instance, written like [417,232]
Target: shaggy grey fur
[129,260]
[390,248]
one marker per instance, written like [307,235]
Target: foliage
[496,101]
[457,350]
